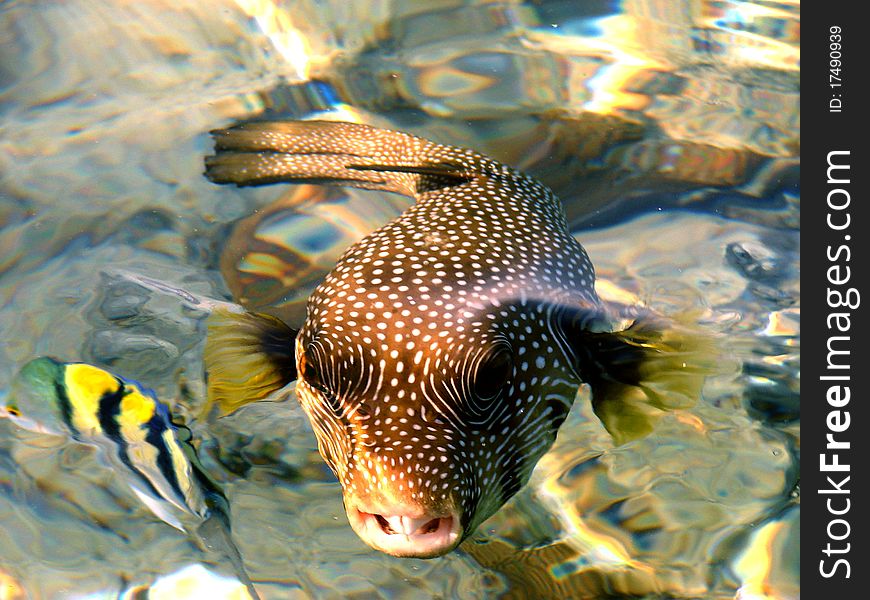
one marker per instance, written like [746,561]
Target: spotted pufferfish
[441,354]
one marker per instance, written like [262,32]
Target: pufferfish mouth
[405,531]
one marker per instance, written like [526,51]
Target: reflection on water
[669,129]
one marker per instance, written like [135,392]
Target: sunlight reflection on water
[671,132]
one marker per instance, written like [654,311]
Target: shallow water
[669,130]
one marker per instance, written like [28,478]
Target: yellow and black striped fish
[94,406]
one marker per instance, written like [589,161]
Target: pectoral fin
[247,357]
[638,374]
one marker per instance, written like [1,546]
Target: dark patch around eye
[313,376]
[493,373]
[311,373]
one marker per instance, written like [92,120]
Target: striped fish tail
[215,536]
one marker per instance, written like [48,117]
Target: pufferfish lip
[405,531]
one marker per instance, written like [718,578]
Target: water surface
[669,129]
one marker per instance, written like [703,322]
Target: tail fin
[653,366]
[351,154]
[215,536]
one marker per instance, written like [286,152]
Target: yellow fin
[247,357]
[654,366]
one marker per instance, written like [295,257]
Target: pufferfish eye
[493,372]
[313,376]
[310,373]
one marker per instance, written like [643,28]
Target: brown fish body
[440,356]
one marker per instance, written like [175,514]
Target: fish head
[33,402]
[428,434]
